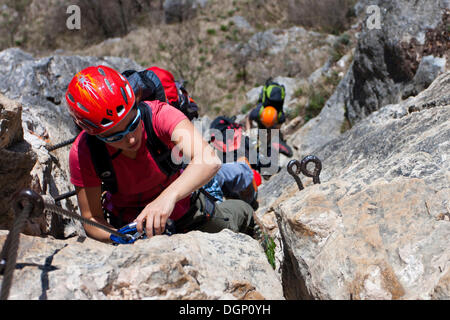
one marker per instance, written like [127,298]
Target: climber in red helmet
[102,102]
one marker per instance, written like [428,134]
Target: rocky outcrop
[38,86]
[389,65]
[181,10]
[16,158]
[292,52]
[183,266]
[377,226]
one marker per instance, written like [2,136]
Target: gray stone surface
[190,266]
[386,60]
[377,226]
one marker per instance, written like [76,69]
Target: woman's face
[132,140]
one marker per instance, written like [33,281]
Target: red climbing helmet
[257,177]
[99,98]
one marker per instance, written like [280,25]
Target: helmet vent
[124,95]
[71,98]
[106,122]
[120,110]
[127,87]
[108,84]
[102,72]
[82,107]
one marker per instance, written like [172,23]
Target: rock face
[16,158]
[184,266]
[180,10]
[39,86]
[378,225]
[392,63]
[387,59]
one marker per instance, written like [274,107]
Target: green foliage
[162,46]
[240,76]
[298,93]
[344,39]
[293,113]
[211,32]
[269,248]
[223,28]
[340,47]
[317,99]
[217,109]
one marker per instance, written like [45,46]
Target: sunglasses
[120,135]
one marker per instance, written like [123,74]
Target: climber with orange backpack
[132,149]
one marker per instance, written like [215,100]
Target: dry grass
[330,16]
[202,50]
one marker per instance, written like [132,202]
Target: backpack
[156,83]
[273,94]
[223,124]
[160,152]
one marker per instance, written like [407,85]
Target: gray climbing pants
[235,215]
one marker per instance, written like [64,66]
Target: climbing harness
[301,167]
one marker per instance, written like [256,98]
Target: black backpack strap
[102,163]
[158,149]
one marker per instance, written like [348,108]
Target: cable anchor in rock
[27,204]
[301,167]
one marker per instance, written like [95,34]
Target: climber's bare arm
[89,201]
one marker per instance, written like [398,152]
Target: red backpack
[156,83]
[168,81]
[176,94]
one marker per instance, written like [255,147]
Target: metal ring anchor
[302,167]
[295,173]
[318,167]
[32,197]
[27,203]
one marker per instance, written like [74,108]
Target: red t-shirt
[139,180]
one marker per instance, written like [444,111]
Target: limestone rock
[11,122]
[377,226]
[180,10]
[241,23]
[326,126]
[389,64]
[184,266]
[16,158]
[387,59]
